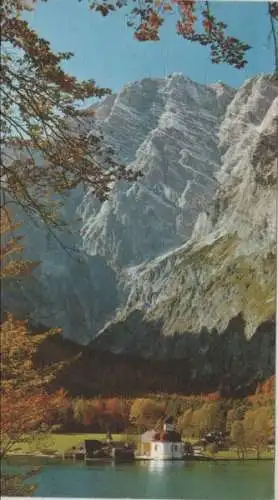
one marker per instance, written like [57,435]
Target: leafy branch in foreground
[46,151]
[196,23]
[13,485]
[273,18]
[26,404]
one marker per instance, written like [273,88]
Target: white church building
[165,445]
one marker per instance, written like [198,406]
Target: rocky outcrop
[182,263]
[215,295]
[167,128]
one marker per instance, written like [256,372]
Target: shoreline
[196,458]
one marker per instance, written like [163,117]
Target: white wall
[162,450]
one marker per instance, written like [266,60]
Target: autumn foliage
[26,405]
[266,387]
[196,23]
[11,243]
[146,413]
[46,150]
[246,425]
[46,147]
[102,414]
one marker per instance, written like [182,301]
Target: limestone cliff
[214,296]
[181,264]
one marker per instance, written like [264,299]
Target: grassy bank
[60,443]
[251,455]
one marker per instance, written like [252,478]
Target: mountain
[180,264]
[168,129]
[213,298]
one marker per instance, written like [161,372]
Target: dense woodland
[195,415]
[89,372]
[42,405]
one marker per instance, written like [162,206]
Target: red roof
[169,436]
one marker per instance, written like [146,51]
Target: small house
[164,445]
[167,446]
[145,444]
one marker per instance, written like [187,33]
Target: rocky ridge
[182,263]
[168,129]
[215,295]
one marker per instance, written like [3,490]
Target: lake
[185,480]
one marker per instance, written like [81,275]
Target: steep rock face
[68,289]
[214,297]
[167,128]
[137,285]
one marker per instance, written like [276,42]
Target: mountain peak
[167,128]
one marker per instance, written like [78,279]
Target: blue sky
[105,50]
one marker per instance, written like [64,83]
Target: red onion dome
[156,436]
[164,436]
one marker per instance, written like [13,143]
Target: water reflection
[154,479]
[159,466]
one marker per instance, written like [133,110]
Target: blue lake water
[195,480]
